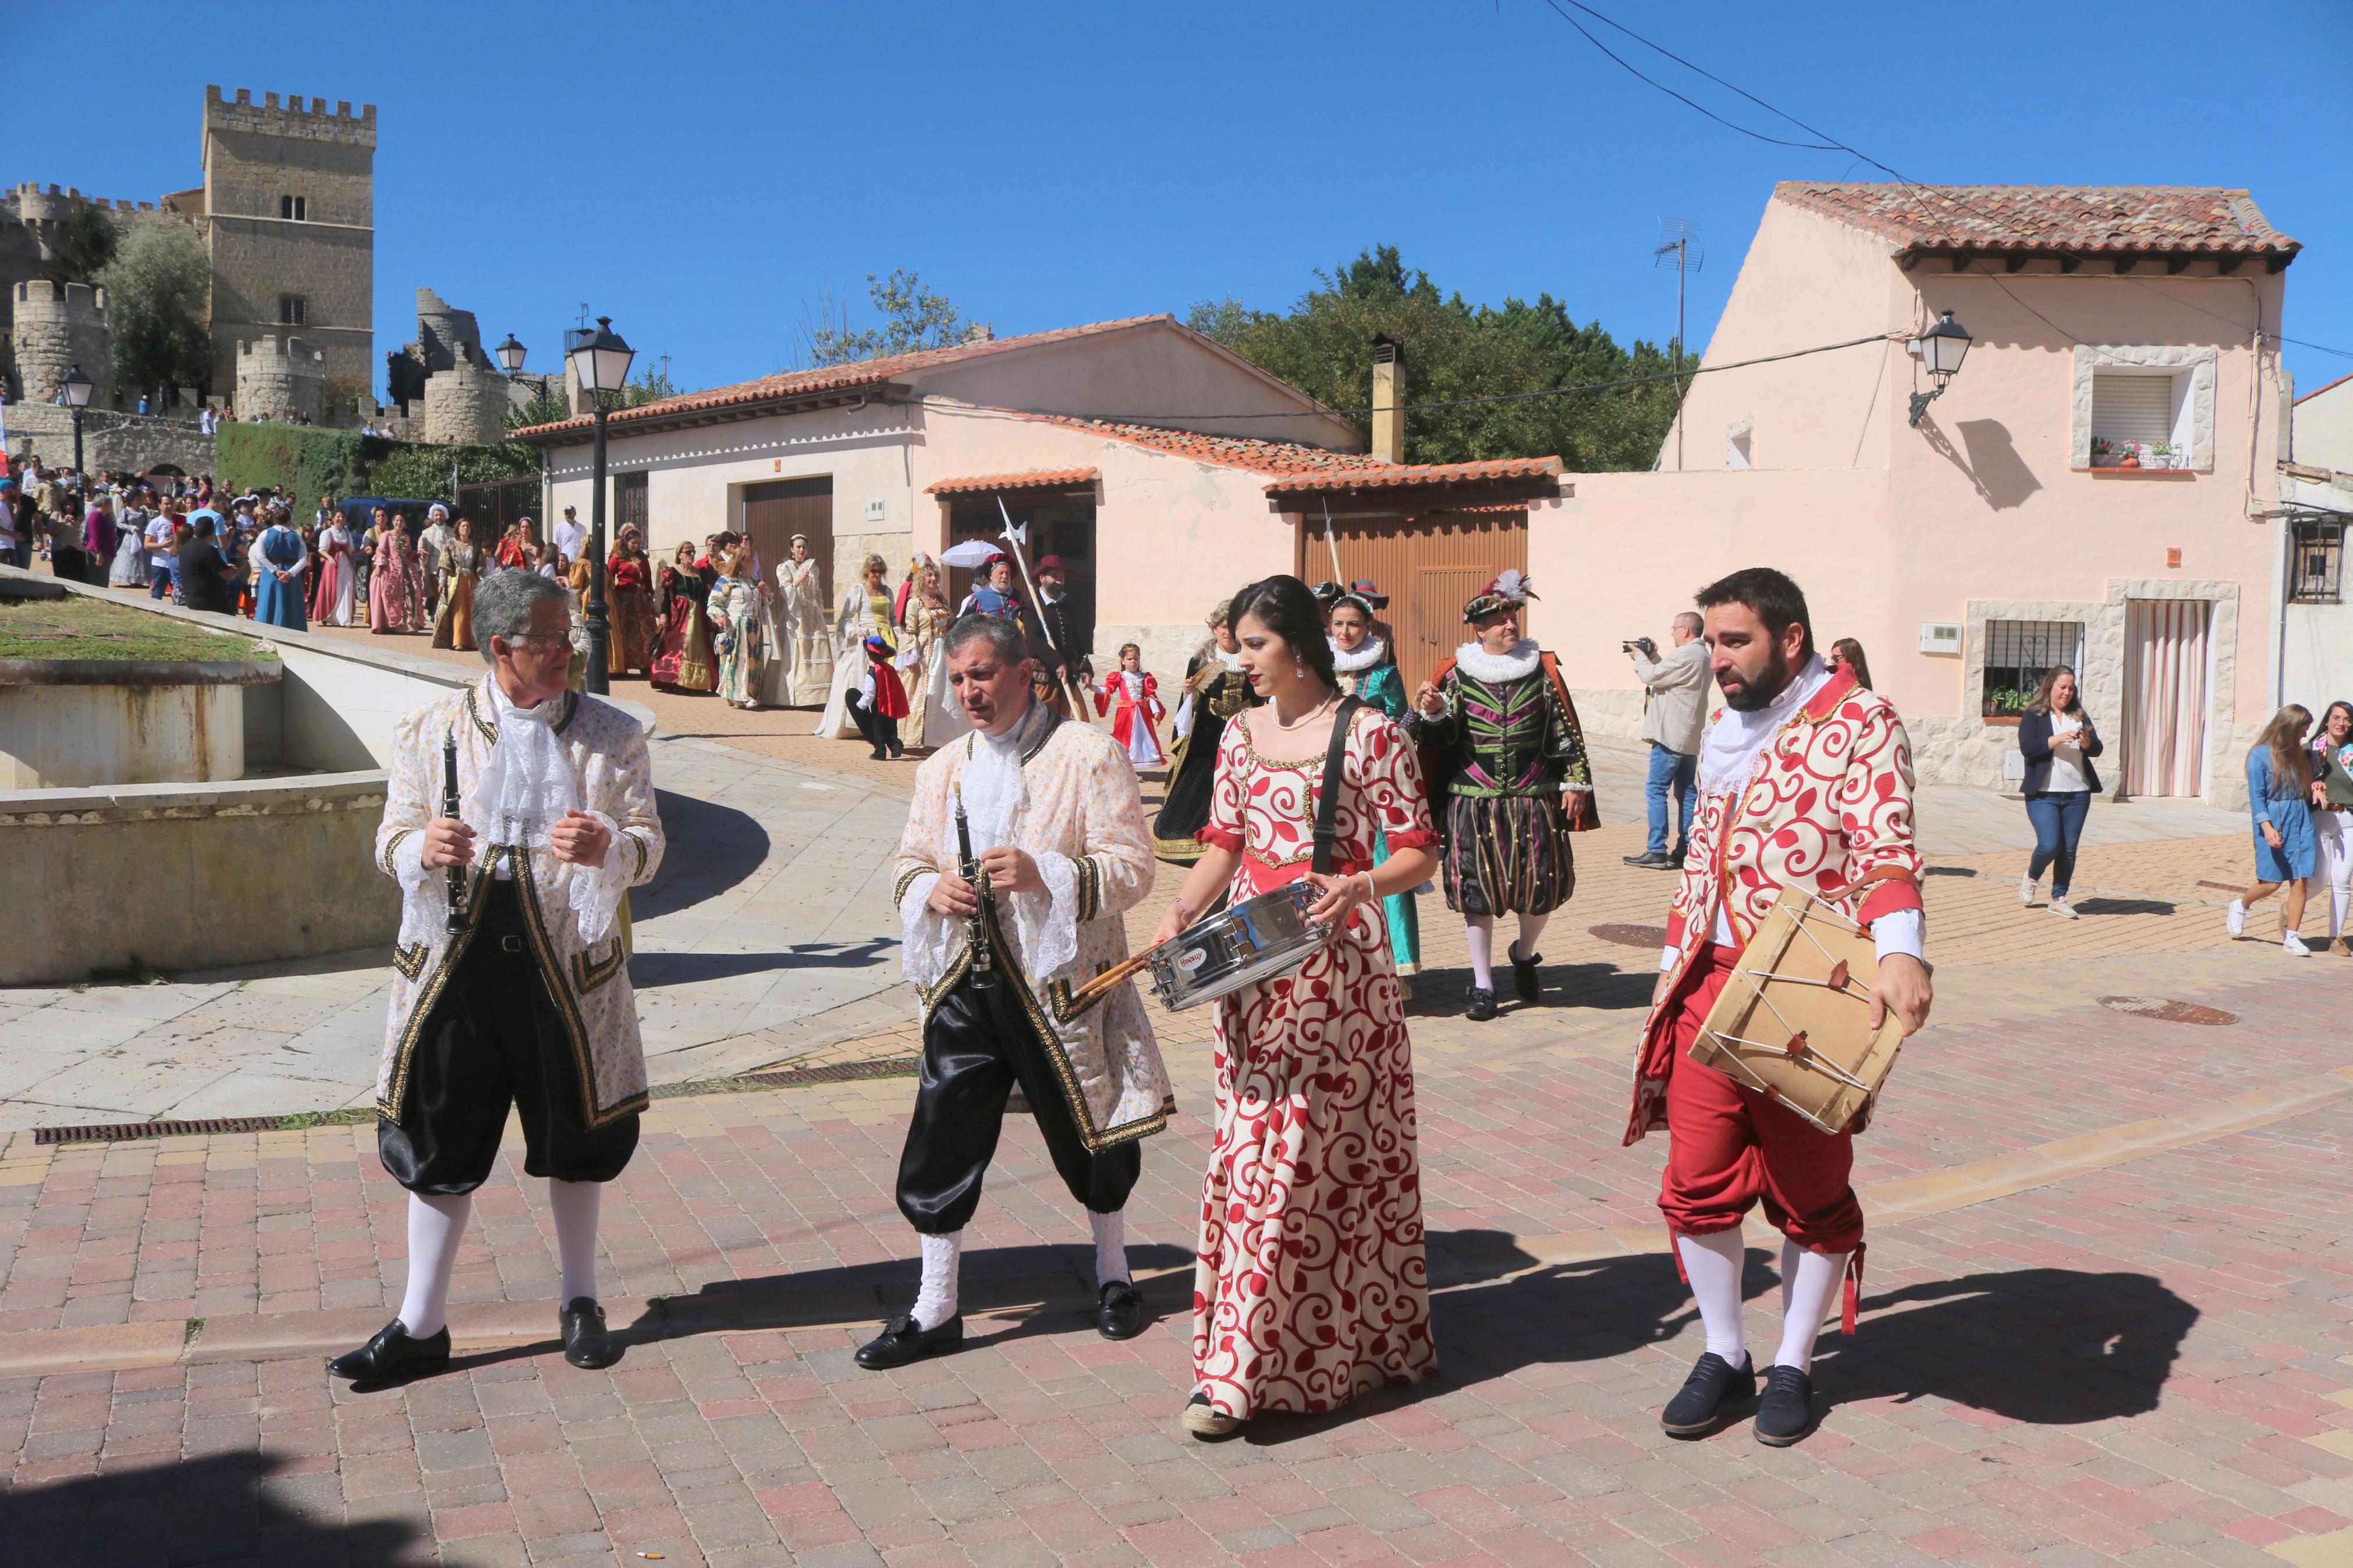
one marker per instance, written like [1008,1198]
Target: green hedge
[313,463]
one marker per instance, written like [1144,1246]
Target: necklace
[1311,713]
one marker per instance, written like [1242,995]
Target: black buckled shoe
[902,1340]
[1120,1315]
[392,1356]
[1711,1395]
[1786,1412]
[1524,983]
[586,1343]
[1483,1005]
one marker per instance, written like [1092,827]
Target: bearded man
[1805,781]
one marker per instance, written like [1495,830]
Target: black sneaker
[1483,1005]
[1650,860]
[902,1340]
[1524,972]
[1787,1411]
[392,1356]
[1711,1395]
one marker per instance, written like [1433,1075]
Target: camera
[1650,649]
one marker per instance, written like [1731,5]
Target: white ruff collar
[1370,652]
[1728,758]
[1232,661]
[1480,664]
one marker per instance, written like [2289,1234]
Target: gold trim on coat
[410,959]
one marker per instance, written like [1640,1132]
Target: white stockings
[1110,1246]
[1479,930]
[936,1302]
[1809,1285]
[1712,1263]
[576,1205]
[434,1223]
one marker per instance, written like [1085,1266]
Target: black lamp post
[600,362]
[509,354]
[74,390]
[1940,351]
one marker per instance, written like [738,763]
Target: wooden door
[774,512]
[1430,568]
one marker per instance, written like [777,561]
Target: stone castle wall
[465,403]
[55,327]
[132,443]
[280,379]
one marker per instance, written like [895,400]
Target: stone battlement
[270,118]
[35,205]
[79,304]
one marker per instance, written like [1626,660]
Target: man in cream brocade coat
[1057,821]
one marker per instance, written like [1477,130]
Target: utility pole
[1682,251]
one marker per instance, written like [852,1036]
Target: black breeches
[494,1038]
[880,733]
[976,1046]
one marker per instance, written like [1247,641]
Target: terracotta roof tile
[1300,469]
[1027,479]
[2197,220]
[1399,476]
[863,372]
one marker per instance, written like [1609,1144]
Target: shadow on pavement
[655,969]
[684,880]
[2106,906]
[225,1508]
[2050,1346]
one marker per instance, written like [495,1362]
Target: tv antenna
[1683,252]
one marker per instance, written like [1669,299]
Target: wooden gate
[774,512]
[1430,568]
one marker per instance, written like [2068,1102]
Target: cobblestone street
[2104,1317]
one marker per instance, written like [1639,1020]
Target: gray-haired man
[1674,717]
[525,1003]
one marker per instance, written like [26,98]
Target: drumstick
[1102,984]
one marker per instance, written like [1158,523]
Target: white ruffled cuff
[924,947]
[424,897]
[596,889]
[1049,924]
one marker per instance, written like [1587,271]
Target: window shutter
[2132,407]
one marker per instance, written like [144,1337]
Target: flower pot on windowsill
[2129,460]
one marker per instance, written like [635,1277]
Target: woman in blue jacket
[2279,796]
[2056,738]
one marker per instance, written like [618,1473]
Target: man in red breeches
[1805,781]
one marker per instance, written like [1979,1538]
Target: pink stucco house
[2099,485]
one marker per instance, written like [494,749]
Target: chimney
[1389,418]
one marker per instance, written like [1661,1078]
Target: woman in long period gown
[332,604]
[1367,665]
[800,601]
[388,582]
[462,568]
[684,662]
[129,567]
[1309,1283]
[1215,690]
[922,629]
[629,584]
[865,612]
[736,628]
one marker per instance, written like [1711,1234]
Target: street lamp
[76,389]
[509,354]
[1940,351]
[600,363]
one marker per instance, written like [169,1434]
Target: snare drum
[1255,940]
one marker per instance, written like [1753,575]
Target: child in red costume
[880,702]
[1138,695]
[1805,781]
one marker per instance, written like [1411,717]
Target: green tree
[158,286]
[544,406]
[913,318]
[82,247]
[1454,353]
[653,384]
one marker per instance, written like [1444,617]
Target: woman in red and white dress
[1135,727]
[1310,1286]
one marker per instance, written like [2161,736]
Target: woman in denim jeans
[2056,738]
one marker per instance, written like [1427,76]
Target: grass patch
[79,627]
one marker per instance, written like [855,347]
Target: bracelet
[1182,908]
[1372,890]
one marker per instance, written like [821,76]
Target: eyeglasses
[548,638]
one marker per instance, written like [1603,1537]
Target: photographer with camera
[1675,714]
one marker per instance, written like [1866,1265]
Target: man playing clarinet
[1805,781]
[511,989]
[1047,815]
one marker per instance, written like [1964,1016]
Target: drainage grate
[2166,1011]
[790,1077]
[1633,936]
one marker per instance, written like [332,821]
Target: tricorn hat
[1362,588]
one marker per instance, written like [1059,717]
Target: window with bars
[293,310]
[2019,654]
[294,209]
[2316,563]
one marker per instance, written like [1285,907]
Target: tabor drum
[1793,1019]
[1255,940]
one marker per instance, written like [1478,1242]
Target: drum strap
[1327,802]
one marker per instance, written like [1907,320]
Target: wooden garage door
[774,512]
[1430,569]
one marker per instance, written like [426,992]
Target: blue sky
[701,171]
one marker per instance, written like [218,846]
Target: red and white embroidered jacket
[1828,807]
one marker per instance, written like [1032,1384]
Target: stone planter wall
[67,722]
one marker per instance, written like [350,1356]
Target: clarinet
[449,808]
[984,956]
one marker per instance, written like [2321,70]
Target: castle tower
[282,379]
[447,335]
[468,402]
[290,214]
[57,327]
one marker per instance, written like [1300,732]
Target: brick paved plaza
[2106,1311]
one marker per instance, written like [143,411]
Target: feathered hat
[1508,592]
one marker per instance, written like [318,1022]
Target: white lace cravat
[528,784]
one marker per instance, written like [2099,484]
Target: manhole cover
[1633,936]
[2166,1011]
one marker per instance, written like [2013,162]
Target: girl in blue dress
[2279,798]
